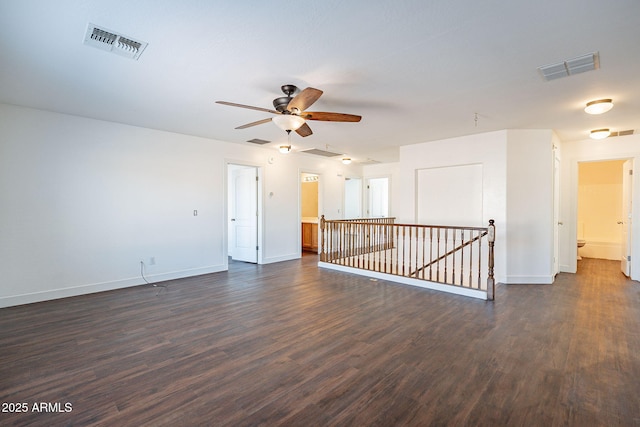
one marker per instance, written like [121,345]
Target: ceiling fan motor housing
[280,104]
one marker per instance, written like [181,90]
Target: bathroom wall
[600,208]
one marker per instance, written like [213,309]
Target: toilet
[581,243]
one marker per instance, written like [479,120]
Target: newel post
[323,252]
[491,284]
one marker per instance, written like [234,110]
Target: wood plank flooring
[290,344]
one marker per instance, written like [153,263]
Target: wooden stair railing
[453,255]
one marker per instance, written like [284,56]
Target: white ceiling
[416,71]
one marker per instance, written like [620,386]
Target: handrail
[451,252]
[452,255]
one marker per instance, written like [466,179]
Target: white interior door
[627,183]
[378,197]
[244,214]
[352,198]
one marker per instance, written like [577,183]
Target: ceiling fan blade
[330,117]
[304,99]
[233,104]
[304,130]
[259,122]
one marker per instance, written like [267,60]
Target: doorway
[352,198]
[604,211]
[378,197]
[309,211]
[243,194]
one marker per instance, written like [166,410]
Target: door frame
[367,194]
[343,212]
[260,204]
[320,204]
[573,206]
[627,216]
[557,168]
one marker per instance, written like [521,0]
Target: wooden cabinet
[309,236]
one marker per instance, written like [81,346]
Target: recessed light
[600,133]
[599,106]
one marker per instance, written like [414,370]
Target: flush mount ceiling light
[288,121]
[600,133]
[599,106]
[284,149]
[346,160]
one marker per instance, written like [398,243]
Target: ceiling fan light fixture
[600,133]
[598,106]
[346,160]
[288,121]
[284,149]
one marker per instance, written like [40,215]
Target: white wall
[83,201]
[517,192]
[530,207]
[616,148]
[487,149]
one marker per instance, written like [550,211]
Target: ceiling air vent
[622,133]
[370,162]
[570,67]
[258,141]
[113,42]
[324,153]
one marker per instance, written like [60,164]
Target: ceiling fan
[290,111]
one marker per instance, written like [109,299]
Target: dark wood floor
[289,344]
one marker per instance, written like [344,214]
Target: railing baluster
[430,252]
[410,247]
[479,261]
[471,262]
[446,249]
[360,245]
[397,251]
[418,247]
[462,258]
[453,259]
[385,248]
[377,253]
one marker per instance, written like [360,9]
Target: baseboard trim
[473,293]
[72,291]
[528,280]
[601,250]
[281,258]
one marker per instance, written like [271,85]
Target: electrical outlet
[152,260]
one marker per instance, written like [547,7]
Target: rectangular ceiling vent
[570,67]
[258,141]
[111,41]
[323,153]
[622,133]
[369,162]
